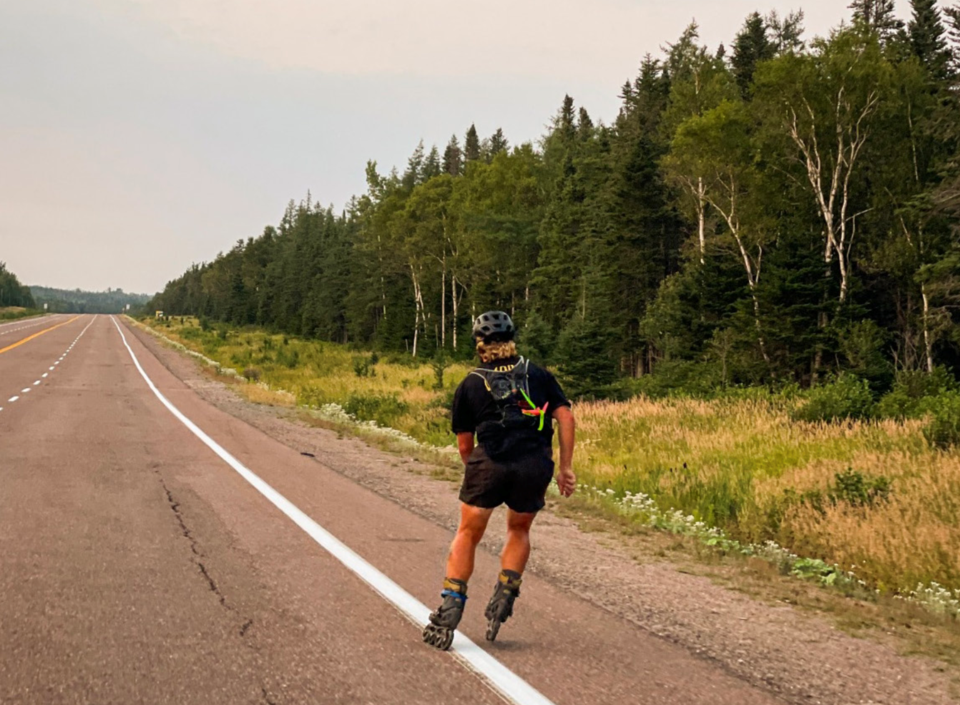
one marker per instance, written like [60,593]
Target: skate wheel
[438,637]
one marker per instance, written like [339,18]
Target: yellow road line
[36,335]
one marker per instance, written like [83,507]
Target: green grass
[12,313]
[394,391]
[872,496]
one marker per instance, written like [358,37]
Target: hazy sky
[139,136]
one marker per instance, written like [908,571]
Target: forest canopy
[78,301]
[777,210]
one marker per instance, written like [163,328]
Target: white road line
[507,683]
[44,375]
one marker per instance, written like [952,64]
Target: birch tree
[823,103]
[715,150]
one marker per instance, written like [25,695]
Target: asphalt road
[156,552]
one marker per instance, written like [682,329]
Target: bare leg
[517,549]
[473,522]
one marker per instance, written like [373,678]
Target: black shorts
[519,483]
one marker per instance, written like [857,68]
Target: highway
[155,549]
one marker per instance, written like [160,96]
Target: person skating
[508,405]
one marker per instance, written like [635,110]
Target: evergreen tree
[414,173]
[953,20]
[751,46]
[565,123]
[432,166]
[786,32]
[585,129]
[878,15]
[453,158]
[498,143]
[12,292]
[926,33]
[471,145]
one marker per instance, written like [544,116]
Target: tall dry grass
[742,465]
[746,467]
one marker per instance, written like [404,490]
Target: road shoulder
[802,657]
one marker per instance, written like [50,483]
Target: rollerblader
[503,415]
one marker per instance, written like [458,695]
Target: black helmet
[494,326]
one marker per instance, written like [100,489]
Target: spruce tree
[414,173]
[878,15]
[585,127]
[453,157]
[751,46]
[565,122]
[926,34]
[471,145]
[432,166]
[498,143]
[787,32]
[953,20]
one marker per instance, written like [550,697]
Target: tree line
[774,211]
[12,292]
[78,301]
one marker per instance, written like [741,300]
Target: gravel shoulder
[798,655]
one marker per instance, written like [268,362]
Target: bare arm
[465,445]
[566,480]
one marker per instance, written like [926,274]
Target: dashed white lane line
[7,331]
[505,682]
[52,367]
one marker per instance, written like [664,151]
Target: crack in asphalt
[195,548]
[266,696]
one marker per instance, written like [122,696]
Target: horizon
[127,119]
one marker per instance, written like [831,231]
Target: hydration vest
[517,431]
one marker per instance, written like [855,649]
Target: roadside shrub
[680,378]
[363,366]
[859,490]
[439,365]
[205,324]
[943,428]
[914,393]
[404,360]
[384,409]
[845,397]
[288,357]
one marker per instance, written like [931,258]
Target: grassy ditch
[870,503]
[13,313]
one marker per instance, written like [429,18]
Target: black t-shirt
[473,404]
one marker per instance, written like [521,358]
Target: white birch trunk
[443,303]
[927,342]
